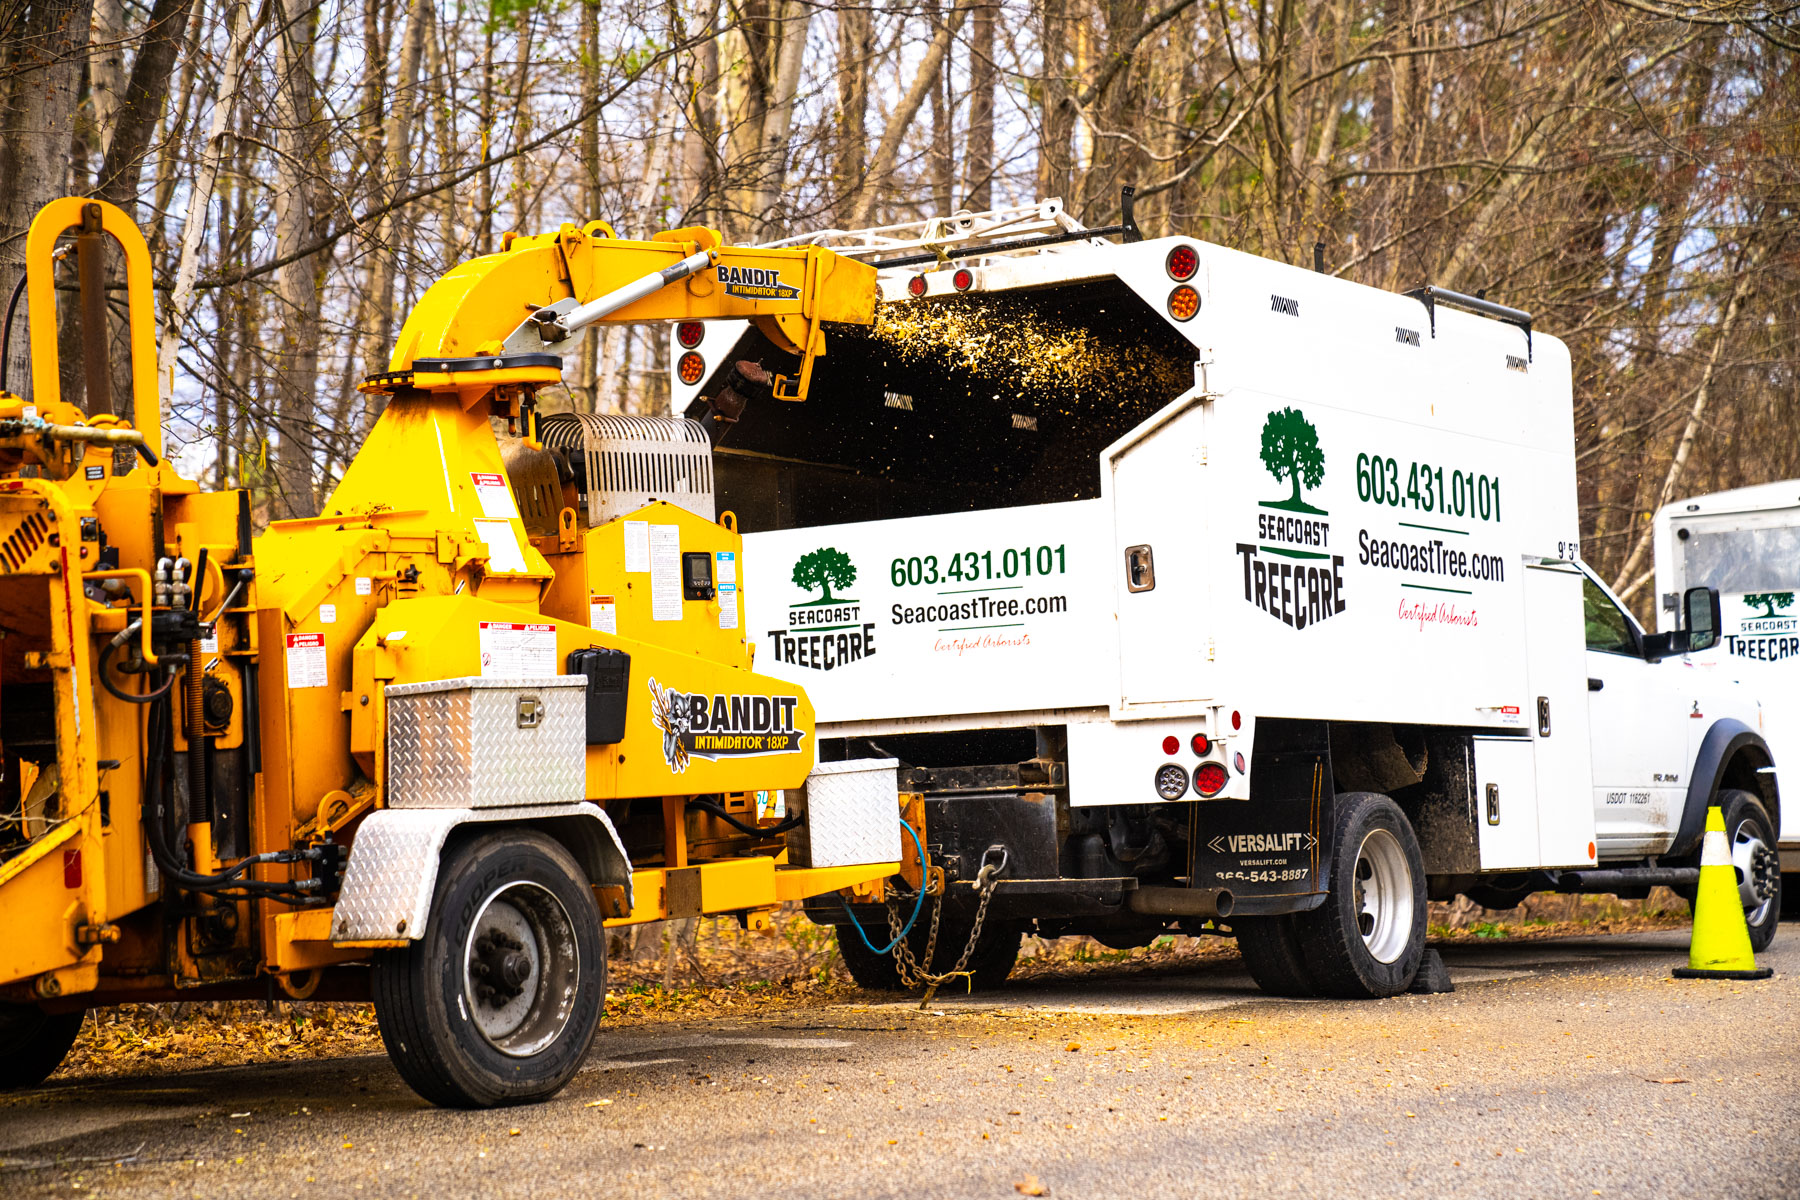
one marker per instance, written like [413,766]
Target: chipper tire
[33,1043]
[995,955]
[1368,937]
[498,1002]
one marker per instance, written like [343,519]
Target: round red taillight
[1237,720]
[1184,302]
[1201,744]
[689,333]
[1182,263]
[1171,744]
[963,280]
[1209,778]
[691,368]
[916,285]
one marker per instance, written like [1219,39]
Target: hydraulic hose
[918,904]
[106,653]
[718,810]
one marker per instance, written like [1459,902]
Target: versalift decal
[1290,571]
[756,283]
[715,726]
[826,631]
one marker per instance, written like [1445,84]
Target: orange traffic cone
[1721,944]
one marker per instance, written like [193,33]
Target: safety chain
[912,974]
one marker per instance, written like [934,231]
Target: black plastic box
[608,674]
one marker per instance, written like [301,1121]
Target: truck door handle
[1140,569]
[1595,685]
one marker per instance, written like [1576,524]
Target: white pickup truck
[1746,543]
[1199,591]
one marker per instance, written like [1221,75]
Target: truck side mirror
[1700,606]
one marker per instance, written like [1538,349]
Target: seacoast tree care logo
[756,283]
[1289,571]
[1768,630]
[826,631]
[698,725]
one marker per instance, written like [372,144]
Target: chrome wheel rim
[1383,896]
[521,969]
[1758,872]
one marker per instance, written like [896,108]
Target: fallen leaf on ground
[1030,1186]
[1671,1079]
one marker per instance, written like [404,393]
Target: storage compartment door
[1556,667]
[1506,809]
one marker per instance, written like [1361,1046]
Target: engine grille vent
[630,461]
[24,541]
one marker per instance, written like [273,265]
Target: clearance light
[1171,745]
[963,280]
[1182,263]
[1237,720]
[1201,745]
[1171,781]
[689,333]
[1209,778]
[1237,760]
[1184,302]
[916,285]
[691,368]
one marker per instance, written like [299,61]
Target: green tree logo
[1290,450]
[1769,601]
[824,569]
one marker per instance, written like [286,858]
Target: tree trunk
[856,48]
[902,117]
[978,179]
[40,76]
[106,69]
[778,122]
[298,284]
[146,95]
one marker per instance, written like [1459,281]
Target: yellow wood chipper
[423,747]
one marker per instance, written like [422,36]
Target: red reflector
[1201,744]
[689,333]
[1182,263]
[1184,302]
[1171,744]
[1237,760]
[71,868]
[1237,720]
[963,280]
[916,285]
[1209,778]
[691,368]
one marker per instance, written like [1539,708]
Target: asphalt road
[1568,1068]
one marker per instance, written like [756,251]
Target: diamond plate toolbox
[852,814]
[486,743]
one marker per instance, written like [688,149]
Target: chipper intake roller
[419,748]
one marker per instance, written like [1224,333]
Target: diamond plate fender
[393,868]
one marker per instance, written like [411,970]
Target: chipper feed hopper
[422,747]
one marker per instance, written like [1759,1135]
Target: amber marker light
[691,368]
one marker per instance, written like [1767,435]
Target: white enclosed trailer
[1746,543]
[1199,588]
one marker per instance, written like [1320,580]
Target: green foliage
[1769,601]
[824,569]
[1488,929]
[1290,450]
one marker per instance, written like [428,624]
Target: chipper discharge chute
[419,748]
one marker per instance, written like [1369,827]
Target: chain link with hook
[912,974]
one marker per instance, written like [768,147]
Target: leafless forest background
[1628,170]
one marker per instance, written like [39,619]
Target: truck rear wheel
[992,961]
[1272,954]
[498,1002]
[33,1043]
[1368,938]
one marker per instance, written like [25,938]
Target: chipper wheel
[498,1002]
[33,1043]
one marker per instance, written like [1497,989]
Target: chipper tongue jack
[421,747]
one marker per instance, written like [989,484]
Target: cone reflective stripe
[1720,948]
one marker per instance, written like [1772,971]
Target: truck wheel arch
[391,877]
[1731,756]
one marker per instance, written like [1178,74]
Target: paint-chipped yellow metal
[413,550]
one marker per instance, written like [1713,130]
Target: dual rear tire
[1367,939]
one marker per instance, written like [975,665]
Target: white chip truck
[1197,591]
[1746,543]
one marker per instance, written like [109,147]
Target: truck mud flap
[1269,851]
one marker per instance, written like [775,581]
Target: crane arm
[540,291]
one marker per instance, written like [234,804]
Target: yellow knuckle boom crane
[421,747]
